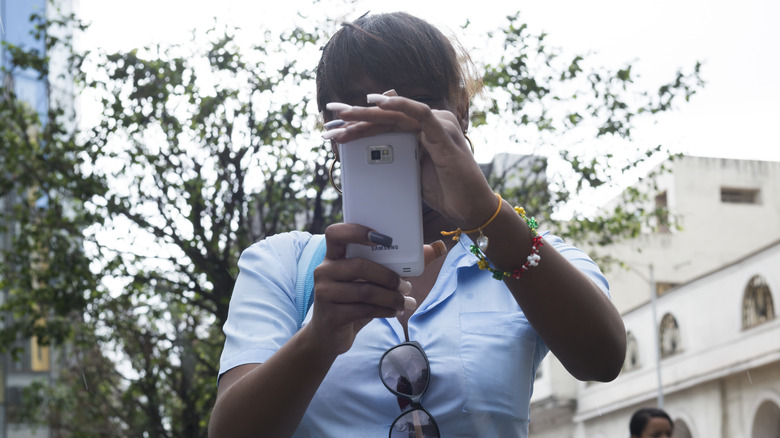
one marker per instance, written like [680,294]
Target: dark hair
[641,417]
[394,50]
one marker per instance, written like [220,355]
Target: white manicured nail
[376,98]
[410,303]
[337,106]
[390,92]
[404,287]
[327,135]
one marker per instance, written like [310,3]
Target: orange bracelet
[482,241]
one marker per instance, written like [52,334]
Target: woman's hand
[453,183]
[350,292]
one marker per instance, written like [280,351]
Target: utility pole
[657,339]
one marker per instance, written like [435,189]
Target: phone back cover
[386,197]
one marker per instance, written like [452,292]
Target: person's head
[651,423]
[397,51]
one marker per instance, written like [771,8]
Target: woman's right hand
[350,292]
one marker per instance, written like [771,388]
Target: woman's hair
[641,417]
[394,50]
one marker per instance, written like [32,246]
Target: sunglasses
[406,372]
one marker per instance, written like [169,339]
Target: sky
[737,42]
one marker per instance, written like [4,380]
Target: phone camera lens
[376,155]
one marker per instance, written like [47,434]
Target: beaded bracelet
[482,243]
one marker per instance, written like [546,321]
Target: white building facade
[699,306]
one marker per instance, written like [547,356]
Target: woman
[651,423]
[483,337]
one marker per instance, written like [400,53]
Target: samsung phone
[380,180]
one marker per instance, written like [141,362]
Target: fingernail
[410,303]
[379,238]
[327,135]
[404,287]
[439,248]
[390,92]
[376,98]
[334,124]
[337,106]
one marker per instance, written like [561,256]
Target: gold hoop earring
[471,145]
[330,176]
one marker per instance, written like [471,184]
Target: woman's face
[657,427]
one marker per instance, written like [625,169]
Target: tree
[563,105]
[201,150]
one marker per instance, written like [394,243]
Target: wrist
[483,212]
[482,224]
[513,229]
[314,347]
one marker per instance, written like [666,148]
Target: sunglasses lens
[404,370]
[414,424]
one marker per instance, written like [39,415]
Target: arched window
[757,304]
[767,420]
[681,429]
[670,335]
[632,353]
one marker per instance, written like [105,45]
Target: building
[720,357]
[699,308]
[725,209]
[35,361]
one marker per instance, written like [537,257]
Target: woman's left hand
[453,183]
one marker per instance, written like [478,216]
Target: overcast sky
[738,42]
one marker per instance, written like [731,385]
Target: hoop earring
[330,176]
[471,145]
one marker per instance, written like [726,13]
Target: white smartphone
[380,183]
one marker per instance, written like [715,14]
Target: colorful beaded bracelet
[531,261]
[482,243]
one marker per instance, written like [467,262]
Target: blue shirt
[483,352]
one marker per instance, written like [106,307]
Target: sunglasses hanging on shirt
[405,371]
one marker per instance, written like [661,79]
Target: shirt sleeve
[579,259]
[262,314]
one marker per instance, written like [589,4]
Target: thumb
[433,251]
